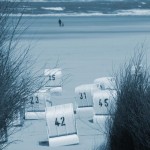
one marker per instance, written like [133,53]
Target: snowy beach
[86,47]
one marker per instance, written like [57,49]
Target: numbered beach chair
[105,83]
[35,108]
[61,125]
[84,100]
[104,103]
[53,77]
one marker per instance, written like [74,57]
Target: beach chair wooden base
[101,122]
[64,140]
[85,112]
[35,115]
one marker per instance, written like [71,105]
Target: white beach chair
[35,109]
[61,125]
[104,104]
[105,83]
[84,100]
[53,77]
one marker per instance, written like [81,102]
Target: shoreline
[80,15]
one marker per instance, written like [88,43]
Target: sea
[83,7]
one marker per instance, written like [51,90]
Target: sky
[74,0]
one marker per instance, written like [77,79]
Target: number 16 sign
[61,125]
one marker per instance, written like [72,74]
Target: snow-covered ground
[87,48]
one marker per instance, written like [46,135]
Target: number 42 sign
[61,122]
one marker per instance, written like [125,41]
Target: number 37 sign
[61,125]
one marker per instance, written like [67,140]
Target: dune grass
[17,81]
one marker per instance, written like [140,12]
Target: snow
[88,47]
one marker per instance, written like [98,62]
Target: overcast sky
[74,0]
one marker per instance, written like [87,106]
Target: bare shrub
[130,129]
[17,82]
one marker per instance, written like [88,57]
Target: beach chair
[84,100]
[105,83]
[104,105]
[53,77]
[61,125]
[35,109]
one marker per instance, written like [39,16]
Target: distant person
[60,22]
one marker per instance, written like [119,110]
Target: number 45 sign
[61,125]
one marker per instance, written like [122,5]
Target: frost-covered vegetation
[17,81]
[129,129]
